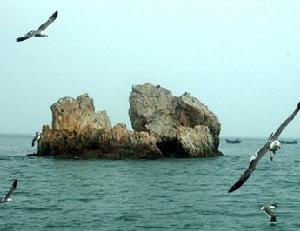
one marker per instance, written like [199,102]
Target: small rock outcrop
[183,126]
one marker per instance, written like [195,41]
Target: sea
[167,194]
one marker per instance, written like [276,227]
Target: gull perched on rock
[40,31]
[271,145]
[7,196]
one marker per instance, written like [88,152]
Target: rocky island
[163,126]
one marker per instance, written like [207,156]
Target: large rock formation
[80,132]
[183,126]
[164,126]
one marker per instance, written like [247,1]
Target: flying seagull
[12,188]
[35,138]
[268,211]
[271,145]
[40,31]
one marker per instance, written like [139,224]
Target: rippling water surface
[170,194]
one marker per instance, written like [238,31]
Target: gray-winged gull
[268,211]
[271,145]
[40,31]
[35,138]
[7,196]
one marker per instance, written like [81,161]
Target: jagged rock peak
[78,114]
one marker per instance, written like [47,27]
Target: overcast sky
[241,58]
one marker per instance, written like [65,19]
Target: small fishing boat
[289,141]
[233,141]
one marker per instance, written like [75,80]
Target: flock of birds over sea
[272,145]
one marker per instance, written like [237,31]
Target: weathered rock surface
[164,126]
[195,142]
[80,132]
[182,125]
[78,114]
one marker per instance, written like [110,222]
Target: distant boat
[235,141]
[289,141]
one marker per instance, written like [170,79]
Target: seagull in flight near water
[12,188]
[267,210]
[35,138]
[40,31]
[271,145]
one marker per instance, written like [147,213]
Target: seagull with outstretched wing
[40,31]
[271,145]
[11,190]
[267,210]
[35,138]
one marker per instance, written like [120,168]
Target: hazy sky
[241,58]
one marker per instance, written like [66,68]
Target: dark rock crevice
[172,149]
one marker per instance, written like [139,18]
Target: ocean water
[169,194]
